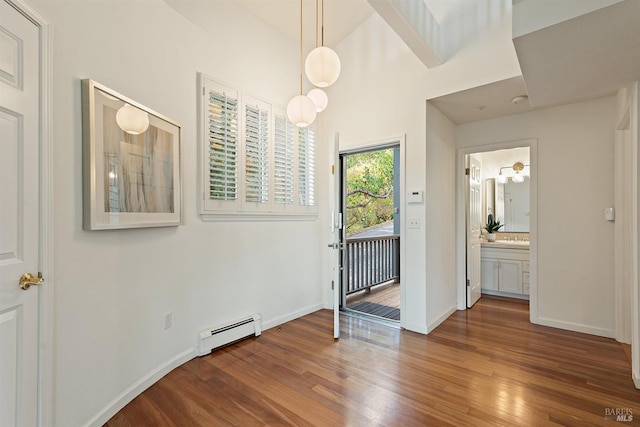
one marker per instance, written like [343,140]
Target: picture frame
[132,163]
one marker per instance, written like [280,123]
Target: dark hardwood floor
[487,366]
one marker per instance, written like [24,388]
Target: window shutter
[283,160]
[306,167]
[221,133]
[256,151]
[255,163]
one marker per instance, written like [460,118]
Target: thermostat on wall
[415,196]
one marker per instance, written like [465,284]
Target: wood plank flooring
[388,295]
[487,366]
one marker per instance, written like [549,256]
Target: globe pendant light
[319,98]
[301,110]
[322,65]
[132,120]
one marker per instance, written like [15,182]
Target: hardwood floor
[487,366]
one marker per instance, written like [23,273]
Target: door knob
[28,279]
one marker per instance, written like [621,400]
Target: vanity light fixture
[323,64]
[517,176]
[301,110]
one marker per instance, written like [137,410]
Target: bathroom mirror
[512,205]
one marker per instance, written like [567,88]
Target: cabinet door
[525,282]
[510,276]
[489,274]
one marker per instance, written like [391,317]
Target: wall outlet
[168,320]
[414,222]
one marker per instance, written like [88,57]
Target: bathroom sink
[516,244]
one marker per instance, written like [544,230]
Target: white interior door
[336,231]
[19,210]
[474,227]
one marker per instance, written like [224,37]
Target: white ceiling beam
[413,22]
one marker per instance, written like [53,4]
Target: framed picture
[131,163]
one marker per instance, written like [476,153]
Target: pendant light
[317,95]
[132,120]
[323,64]
[301,110]
[319,98]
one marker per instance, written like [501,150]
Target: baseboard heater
[228,333]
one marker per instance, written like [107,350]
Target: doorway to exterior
[370,197]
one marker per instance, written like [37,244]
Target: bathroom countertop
[506,244]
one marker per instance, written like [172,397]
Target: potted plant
[491,228]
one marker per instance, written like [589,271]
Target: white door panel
[336,228]
[474,230]
[19,216]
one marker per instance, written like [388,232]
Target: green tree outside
[369,192]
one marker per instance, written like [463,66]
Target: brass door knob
[28,279]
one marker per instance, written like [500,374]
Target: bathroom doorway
[508,184]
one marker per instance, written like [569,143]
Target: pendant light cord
[301,64]
[322,22]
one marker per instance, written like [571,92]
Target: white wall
[575,184]
[112,287]
[440,216]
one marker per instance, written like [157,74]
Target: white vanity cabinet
[505,271]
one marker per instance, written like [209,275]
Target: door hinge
[468,282]
[467,171]
[332,285]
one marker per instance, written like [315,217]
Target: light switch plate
[610,214]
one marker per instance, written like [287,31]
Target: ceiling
[341,17]
[484,102]
[589,56]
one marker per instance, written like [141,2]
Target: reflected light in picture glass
[132,120]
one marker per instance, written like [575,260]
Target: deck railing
[371,261]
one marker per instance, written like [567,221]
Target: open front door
[474,227]
[336,231]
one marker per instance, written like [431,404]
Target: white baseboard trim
[291,316]
[576,327]
[636,381]
[138,387]
[432,325]
[421,329]
[505,294]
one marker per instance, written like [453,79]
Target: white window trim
[240,209]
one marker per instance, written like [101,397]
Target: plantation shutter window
[222,142]
[256,151]
[306,166]
[255,163]
[283,160]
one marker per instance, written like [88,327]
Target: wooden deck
[388,295]
[487,366]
